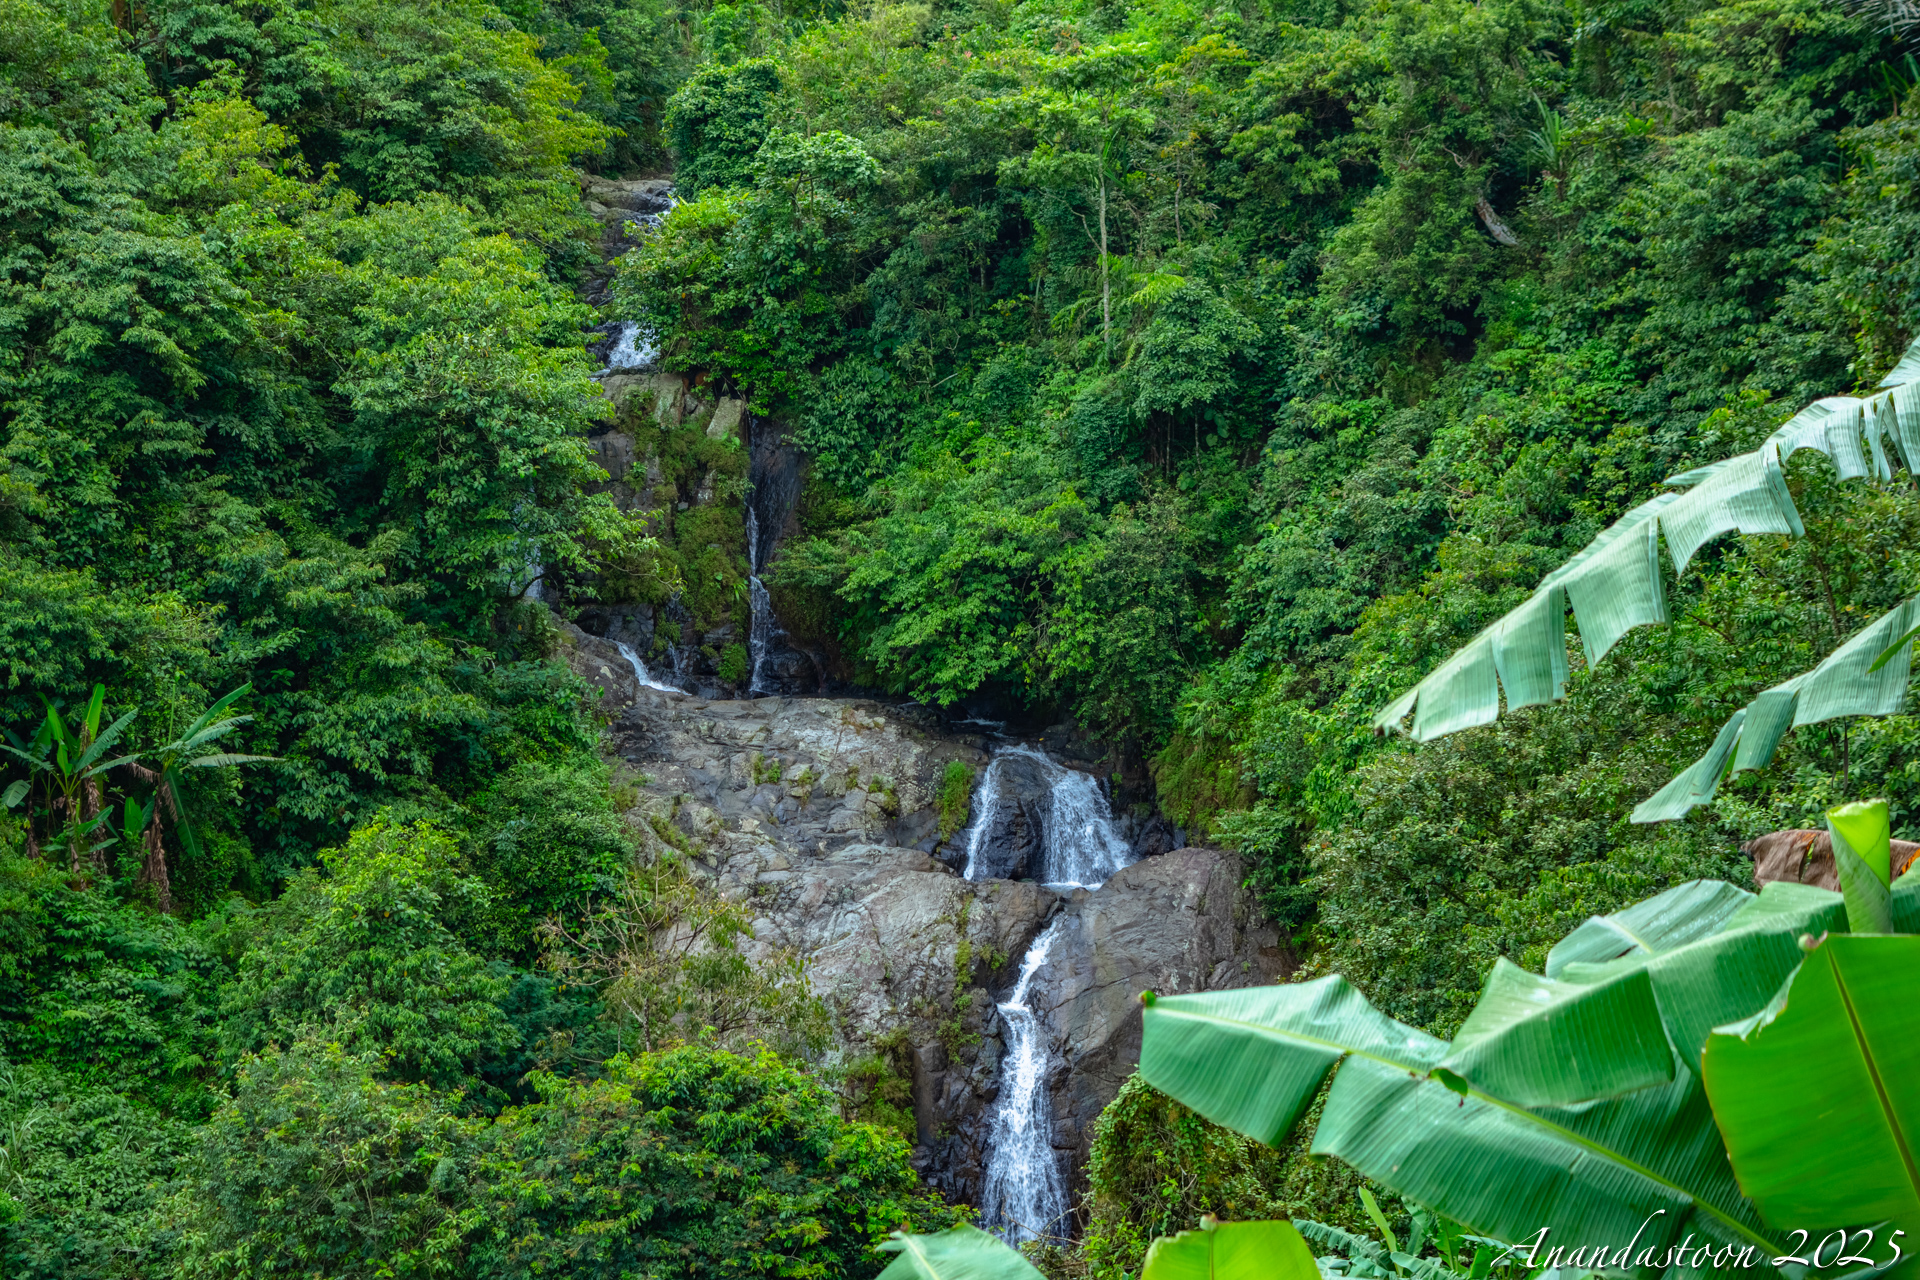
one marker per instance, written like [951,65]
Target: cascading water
[633,349]
[1025,1195]
[1081,847]
[761,625]
[640,671]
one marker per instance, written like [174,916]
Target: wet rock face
[821,814]
[1012,845]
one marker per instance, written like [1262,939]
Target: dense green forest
[1204,375]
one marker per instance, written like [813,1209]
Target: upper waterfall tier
[1036,819]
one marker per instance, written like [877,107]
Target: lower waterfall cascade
[1025,1193]
[761,624]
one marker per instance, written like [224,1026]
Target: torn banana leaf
[1847,683]
[1615,583]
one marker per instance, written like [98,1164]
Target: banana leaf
[961,1253]
[1253,1060]
[1683,914]
[1866,676]
[1903,904]
[1615,584]
[1707,965]
[1529,1039]
[1819,1093]
[1232,1251]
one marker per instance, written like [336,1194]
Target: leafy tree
[717,121]
[367,957]
[321,1163]
[698,1161]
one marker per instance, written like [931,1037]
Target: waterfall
[633,349]
[1025,1196]
[761,626]
[1082,848]
[640,672]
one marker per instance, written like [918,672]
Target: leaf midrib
[1606,1153]
[1873,1072]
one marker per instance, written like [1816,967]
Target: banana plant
[1458,1255]
[72,761]
[1788,1096]
[1839,1040]
[169,765]
[1614,584]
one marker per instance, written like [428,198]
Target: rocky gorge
[822,814]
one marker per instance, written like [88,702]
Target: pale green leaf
[1232,1251]
[961,1253]
[1462,693]
[1833,426]
[1862,854]
[1843,685]
[1685,913]
[1530,1039]
[1747,493]
[1768,718]
[1379,1219]
[1530,650]
[1696,784]
[1851,681]
[1726,972]
[1615,585]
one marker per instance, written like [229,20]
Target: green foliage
[637,1151]
[367,956]
[1157,1166]
[548,837]
[320,1163]
[734,665]
[84,1173]
[716,122]
[109,995]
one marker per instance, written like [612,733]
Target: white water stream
[1025,1195]
[762,626]
[640,672]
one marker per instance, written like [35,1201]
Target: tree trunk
[153,870]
